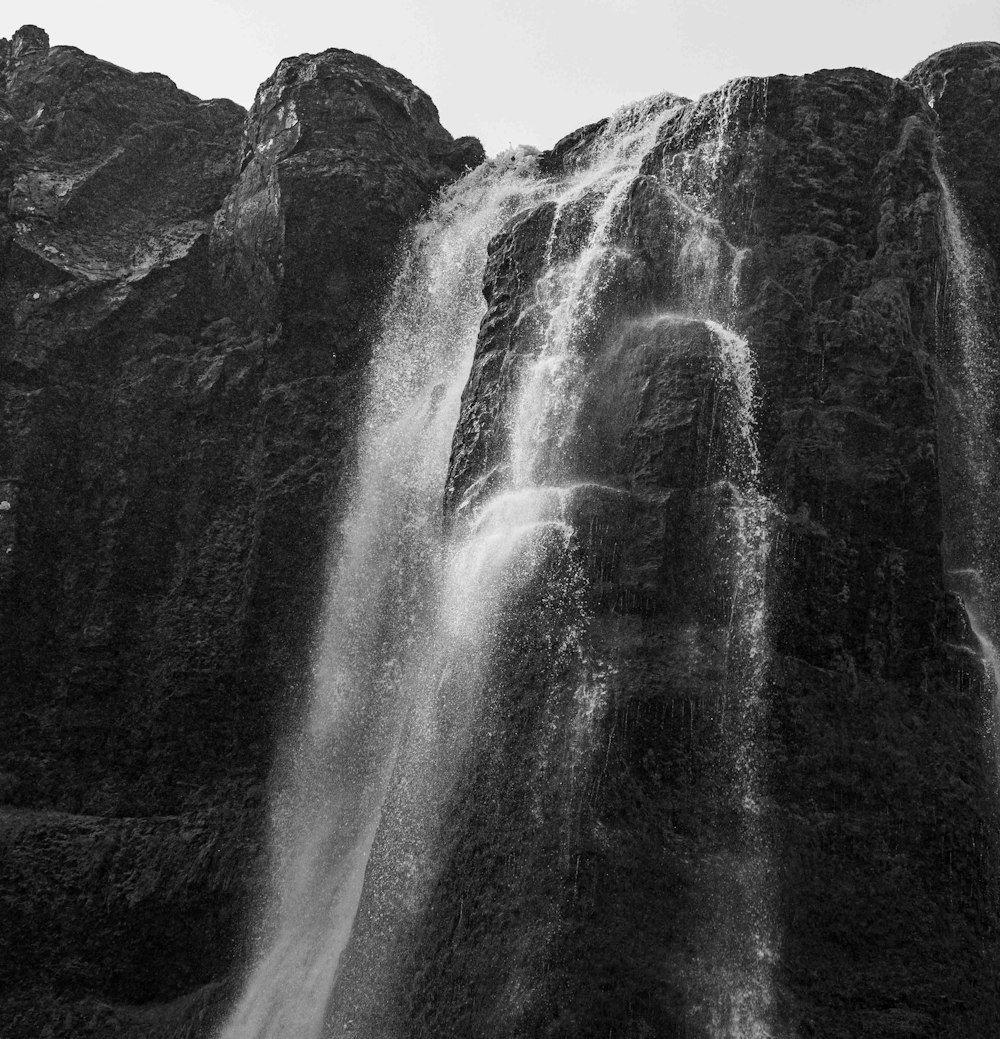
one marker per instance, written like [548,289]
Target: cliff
[808,213]
[188,300]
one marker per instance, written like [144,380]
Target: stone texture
[184,317]
[962,84]
[339,154]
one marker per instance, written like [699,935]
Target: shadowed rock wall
[187,295]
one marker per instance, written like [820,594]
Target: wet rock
[811,208]
[962,84]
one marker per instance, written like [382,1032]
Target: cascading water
[569,289]
[380,604]
[415,609]
[579,261]
[745,1009]
[737,981]
[974,542]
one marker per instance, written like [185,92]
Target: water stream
[973,550]
[736,975]
[376,651]
[412,604]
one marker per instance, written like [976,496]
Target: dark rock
[962,85]
[338,155]
[183,325]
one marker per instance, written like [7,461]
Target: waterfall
[744,1008]
[735,976]
[417,609]
[538,492]
[380,605]
[973,543]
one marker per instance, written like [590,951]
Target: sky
[512,71]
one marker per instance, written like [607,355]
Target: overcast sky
[512,71]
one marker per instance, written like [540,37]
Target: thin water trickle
[974,564]
[991,666]
[745,1008]
[737,984]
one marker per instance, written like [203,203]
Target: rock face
[807,213]
[186,300]
[337,147]
[957,83]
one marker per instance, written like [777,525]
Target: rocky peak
[29,41]
[345,98]
[351,89]
[332,139]
[28,47]
[962,72]
[95,161]
[962,84]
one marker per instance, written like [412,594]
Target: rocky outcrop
[339,154]
[186,299]
[959,84]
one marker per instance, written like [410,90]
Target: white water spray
[379,607]
[396,605]
[538,490]
[746,1008]
[569,291]
[738,975]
